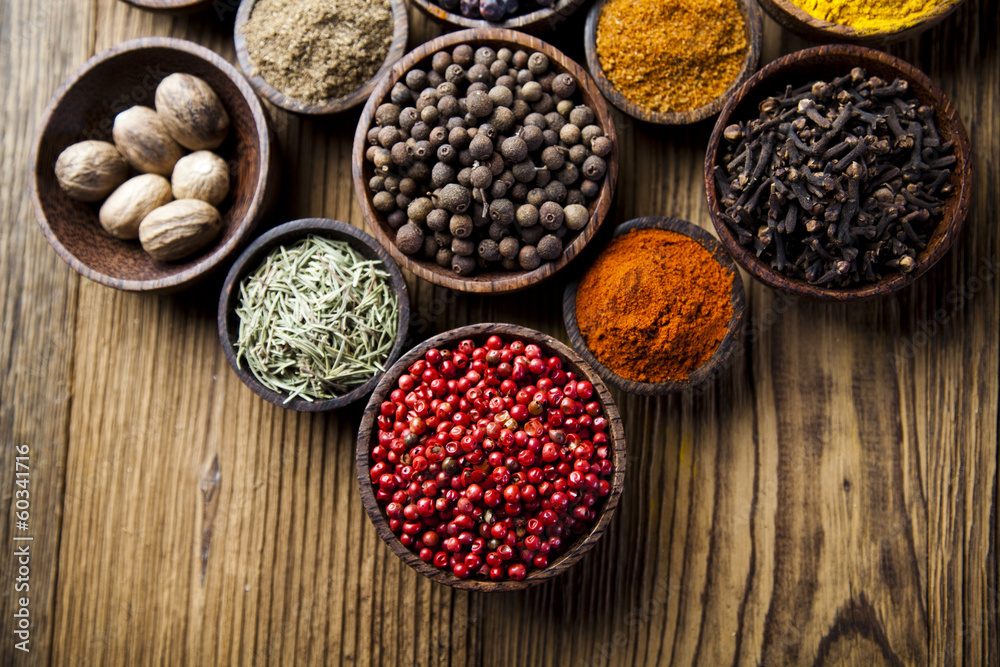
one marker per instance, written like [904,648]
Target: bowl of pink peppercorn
[491,457]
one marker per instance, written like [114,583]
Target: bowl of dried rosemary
[838,172]
[312,313]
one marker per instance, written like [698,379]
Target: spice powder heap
[671,56]
[867,16]
[654,306]
[318,50]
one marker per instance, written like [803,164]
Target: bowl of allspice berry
[151,165]
[839,173]
[485,161]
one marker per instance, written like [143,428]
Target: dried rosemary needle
[316,319]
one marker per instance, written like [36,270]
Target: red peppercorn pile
[490,459]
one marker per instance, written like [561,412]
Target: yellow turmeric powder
[867,16]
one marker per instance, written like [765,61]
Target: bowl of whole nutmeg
[485,160]
[151,165]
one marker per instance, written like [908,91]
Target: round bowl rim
[259,201]
[583,542]
[727,346]
[894,282]
[753,19]
[538,19]
[397,47]
[248,261]
[497,282]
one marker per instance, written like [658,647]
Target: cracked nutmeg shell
[87,171]
[191,111]
[142,138]
[175,230]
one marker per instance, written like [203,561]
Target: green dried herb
[316,319]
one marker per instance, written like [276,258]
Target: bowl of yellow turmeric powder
[872,22]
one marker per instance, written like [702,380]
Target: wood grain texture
[831,499]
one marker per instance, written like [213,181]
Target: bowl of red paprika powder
[660,310]
[491,485]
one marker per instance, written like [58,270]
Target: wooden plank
[828,500]
[38,300]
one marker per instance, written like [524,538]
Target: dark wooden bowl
[571,361]
[400,33]
[716,363]
[290,232]
[534,22]
[494,281]
[799,21]
[179,6]
[825,62]
[85,106]
[754,29]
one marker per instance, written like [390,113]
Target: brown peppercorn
[416,79]
[409,239]
[545,104]
[502,119]
[575,217]
[418,209]
[459,138]
[594,168]
[575,197]
[481,177]
[463,265]
[553,158]
[565,107]
[589,133]
[554,121]
[408,187]
[421,131]
[463,54]
[564,85]
[514,149]
[550,216]
[430,248]
[581,116]
[550,138]
[519,192]
[479,104]
[498,190]
[556,192]
[384,202]
[463,246]
[464,177]
[402,201]
[527,215]
[549,247]
[537,197]
[396,219]
[538,63]
[524,171]
[444,257]
[455,74]
[430,114]
[521,109]
[501,96]
[442,174]
[497,68]
[542,177]
[480,147]
[531,91]
[568,175]
[578,154]
[590,189]
[502,211]
[489,250]
[528,258]
[460,226]
[455,198]
[408,117]
[536,119]
[479,74]
[570,134]
[496,164]
[402,156]
[440,61]
[438,220]
[376,183]
[400,94]
[387,114]
[601,146]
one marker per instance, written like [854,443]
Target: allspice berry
[89,170]
[528,258]
[191,111]
[409,239]
[550,216]
[201,175]
[463,265]
[455,198]
[549,247]
[509,247]
[143,139]
[576,217]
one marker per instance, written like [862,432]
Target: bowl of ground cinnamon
[660,310]
[315,57]
[871,23]
[672,63]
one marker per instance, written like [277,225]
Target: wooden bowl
[288,233]
[179,6]
[716,363]
[400,33]
[536,21]
[800,21]
[825,62]
[85,107]
[494,281]
[571,362]
[754,30]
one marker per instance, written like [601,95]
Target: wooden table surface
[831,499]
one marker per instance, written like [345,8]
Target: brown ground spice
[318,50]
[654,306]
[671,55]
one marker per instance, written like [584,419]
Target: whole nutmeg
[191,111]
[142,138]
[201,175]
[125,209]
[179,228]
[89,170]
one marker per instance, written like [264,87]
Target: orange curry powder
[654,306]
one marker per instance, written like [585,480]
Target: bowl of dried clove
[839,173]
[312,314]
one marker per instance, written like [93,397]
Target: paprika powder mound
[654,306]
